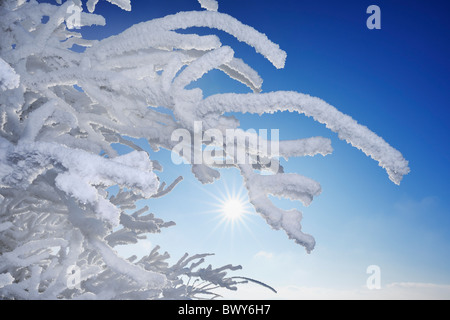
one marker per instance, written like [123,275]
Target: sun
[233,208]
[230,207]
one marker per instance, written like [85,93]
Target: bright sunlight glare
[233,208]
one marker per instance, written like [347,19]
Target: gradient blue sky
[396,82]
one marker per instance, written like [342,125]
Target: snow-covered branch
[62,110]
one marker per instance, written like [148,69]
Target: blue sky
[395,81]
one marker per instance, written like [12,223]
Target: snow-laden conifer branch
[348,129]
[158,33]
[8,77]
[123,4]
[61,111]
[211,5]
